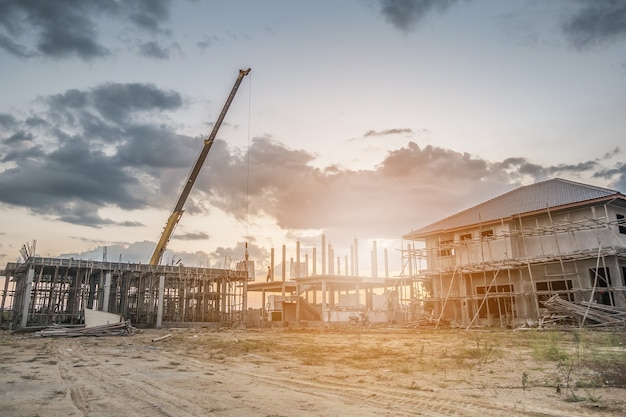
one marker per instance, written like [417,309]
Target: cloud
[411,187]
[111,146]
[7,121]
[72,28]
[597,22]
[388,132]
[191,236]
[154,50]
[136,252]
[14,48]
[406,15]
[89,149]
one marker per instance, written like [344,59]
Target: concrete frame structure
[42,291]
[331,297]
[495,263]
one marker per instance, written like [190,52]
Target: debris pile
[583,313]
[122,328]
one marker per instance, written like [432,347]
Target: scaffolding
[44,291]
[500,273]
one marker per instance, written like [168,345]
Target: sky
[360,119]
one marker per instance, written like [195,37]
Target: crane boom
[172,221]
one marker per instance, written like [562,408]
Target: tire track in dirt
[114,390]
[407,401]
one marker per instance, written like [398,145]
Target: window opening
[621,223]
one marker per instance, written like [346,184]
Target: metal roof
[552,193]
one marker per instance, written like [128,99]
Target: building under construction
[42,291]
[496,263]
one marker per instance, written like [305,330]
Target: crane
[172,221]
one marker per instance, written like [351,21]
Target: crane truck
[172,221]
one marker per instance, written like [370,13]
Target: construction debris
[158,339]
[583,314]
[123,328]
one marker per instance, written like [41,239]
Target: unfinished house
[496,263]
[43,291]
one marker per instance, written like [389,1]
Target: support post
[107,291]
[159,322]
[30,275]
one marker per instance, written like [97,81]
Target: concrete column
[284,271]
[306,264]
[324,305]
[107,291]
[351,260]
[298,304]
[386,264]
[323,254]
[272,264]
[314,261]
[159,321]
[374,260]
[298,259]
[30,275]
[331,264]
[263,310]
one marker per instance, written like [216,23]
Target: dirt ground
[349,371]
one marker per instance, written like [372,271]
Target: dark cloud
[406,15]
[154,50]
[616,176]
[7,121]
[118,101]
[89,149]
[18,138]
[597,22]
[148,14]
[191,236]
[72,28]
[14,48]
[388,132]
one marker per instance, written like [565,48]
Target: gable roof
[539,196]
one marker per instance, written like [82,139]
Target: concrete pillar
[298,304]
[298,259]
[374,260]
[306,264]
[30,275]
[323,254]
[314,261]
[107,291]
[324,305]
[272,264]
[159,321]
[284,271]
[351,260]
[331,264]
[386,264]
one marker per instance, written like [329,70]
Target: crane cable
[248,167]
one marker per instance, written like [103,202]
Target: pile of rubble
[584,313]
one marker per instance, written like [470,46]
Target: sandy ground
[307,372]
